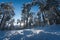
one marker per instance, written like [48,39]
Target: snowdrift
[39,33]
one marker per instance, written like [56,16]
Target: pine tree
[8,13]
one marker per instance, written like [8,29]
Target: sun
[22,24]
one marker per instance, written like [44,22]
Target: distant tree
[12,24]
[30,18]
[0,16]
[18,21]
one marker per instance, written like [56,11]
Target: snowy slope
[39,33]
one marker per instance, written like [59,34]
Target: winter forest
[29,19]
[47,14]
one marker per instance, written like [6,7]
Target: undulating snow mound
[39,33]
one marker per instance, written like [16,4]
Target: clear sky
[18,7]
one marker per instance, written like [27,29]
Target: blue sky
[18,7]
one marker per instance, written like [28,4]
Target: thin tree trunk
[3,21]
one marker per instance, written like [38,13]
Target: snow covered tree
[12,24]
[30,19]
[8,13]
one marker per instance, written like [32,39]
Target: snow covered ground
[39,33]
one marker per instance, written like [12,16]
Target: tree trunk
[3,21]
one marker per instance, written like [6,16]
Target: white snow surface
[39,33]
